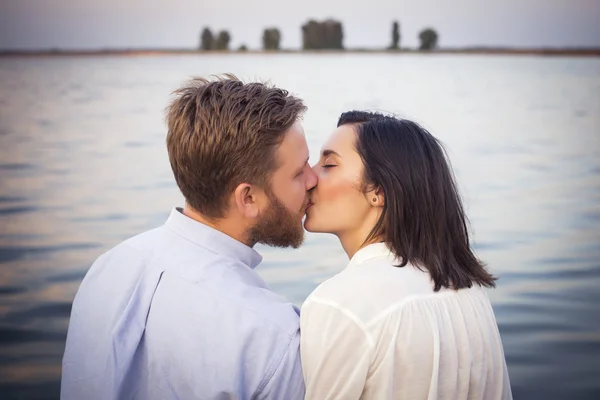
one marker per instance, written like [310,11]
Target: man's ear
[247,199]
[375,197]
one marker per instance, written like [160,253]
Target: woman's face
[338,205]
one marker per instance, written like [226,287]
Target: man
[179,312]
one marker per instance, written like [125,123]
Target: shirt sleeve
[287,382]
[336,351]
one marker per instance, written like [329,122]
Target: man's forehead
[298,125]
[294,148]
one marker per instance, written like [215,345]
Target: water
[83,166]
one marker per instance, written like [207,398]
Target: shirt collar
[211,239]
[369,252]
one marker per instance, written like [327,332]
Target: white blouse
[378,332]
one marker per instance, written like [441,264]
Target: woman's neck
[352,242]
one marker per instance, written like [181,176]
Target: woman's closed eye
[328,163]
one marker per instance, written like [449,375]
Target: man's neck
[227,226]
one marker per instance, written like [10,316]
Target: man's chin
[298,244]
[282,245]
[288,240]
[277,227]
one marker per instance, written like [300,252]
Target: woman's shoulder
[373,280]
[376,288]
[361,291]
[334,289]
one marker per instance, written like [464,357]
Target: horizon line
[540,50]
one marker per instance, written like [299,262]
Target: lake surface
[83,166]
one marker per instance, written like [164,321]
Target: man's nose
[312,179]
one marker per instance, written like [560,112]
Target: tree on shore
[222,42]
[395,36]
[207,40]
[271,39]
[328,34]
[428,38]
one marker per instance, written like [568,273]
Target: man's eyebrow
[328,152]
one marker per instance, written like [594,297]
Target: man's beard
[278,227]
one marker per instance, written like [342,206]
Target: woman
[409,317]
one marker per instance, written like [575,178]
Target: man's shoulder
[157,245]
[196,273]
[275,310]
[125,259]
[135,244]
[236,300]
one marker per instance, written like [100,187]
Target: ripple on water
[16,253]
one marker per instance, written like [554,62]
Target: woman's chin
[309,225]
[312,226]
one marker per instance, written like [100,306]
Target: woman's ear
[375,197]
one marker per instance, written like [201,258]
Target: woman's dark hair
[423,221]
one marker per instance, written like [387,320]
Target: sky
[95,24]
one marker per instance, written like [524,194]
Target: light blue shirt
[179,312]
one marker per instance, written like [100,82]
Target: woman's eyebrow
[328,152]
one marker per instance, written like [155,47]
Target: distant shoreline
[565,52]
